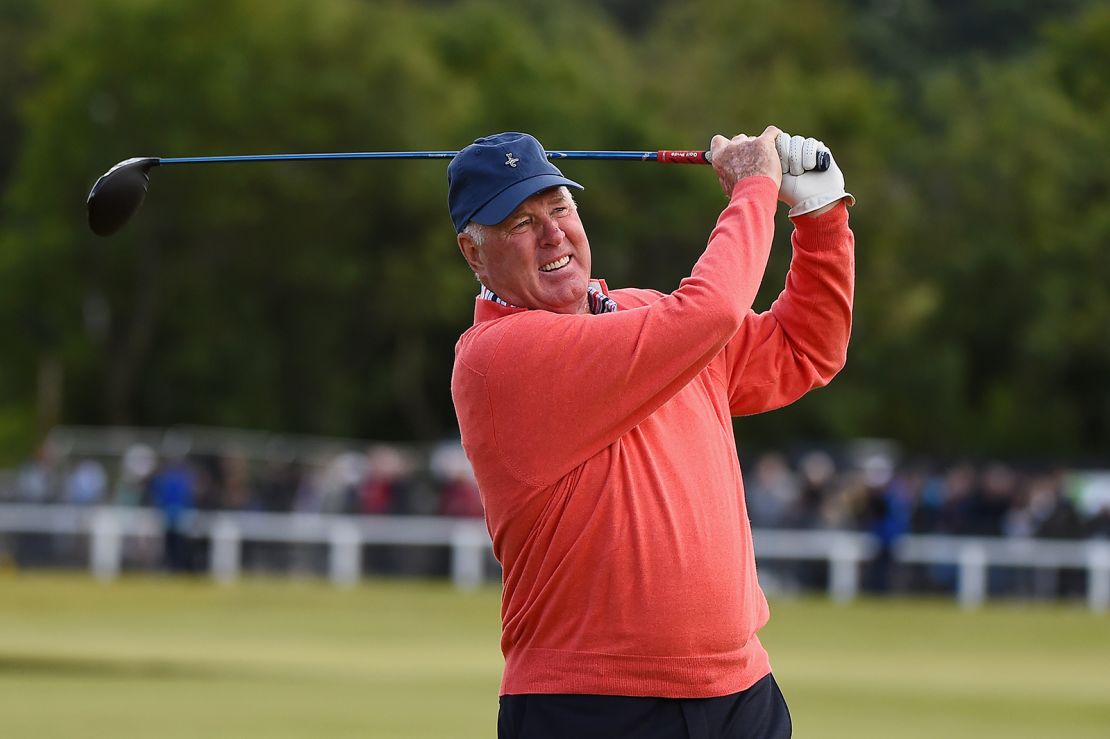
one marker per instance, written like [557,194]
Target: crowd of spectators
[962,499]
[379,479]
[889,501]
[812,490]
[383,479]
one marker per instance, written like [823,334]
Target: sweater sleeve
[801,342]
[560,388]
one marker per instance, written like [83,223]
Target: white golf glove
[804,189]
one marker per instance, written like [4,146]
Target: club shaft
[647,156]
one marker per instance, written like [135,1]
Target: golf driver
[120,191]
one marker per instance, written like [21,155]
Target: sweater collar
[487,306]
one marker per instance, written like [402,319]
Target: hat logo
[510,160]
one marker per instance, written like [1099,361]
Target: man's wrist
[820,211]
[824,208]
[755,182]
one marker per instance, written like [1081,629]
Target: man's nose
[552,234]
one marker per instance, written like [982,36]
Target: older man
[599,427]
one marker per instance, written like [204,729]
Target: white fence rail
[107,526]
[845,552]
[974,555]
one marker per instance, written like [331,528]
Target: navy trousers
[760,712]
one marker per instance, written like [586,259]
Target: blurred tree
[958,191]
[18,413]
[326,297]
[316,297]
[1014,332]
[906,39]
[803,77]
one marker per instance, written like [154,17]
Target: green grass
[168,658]
[912,669]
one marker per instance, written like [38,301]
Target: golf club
[120,191]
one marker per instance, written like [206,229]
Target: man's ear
[471,253]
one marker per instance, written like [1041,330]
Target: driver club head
[118,194]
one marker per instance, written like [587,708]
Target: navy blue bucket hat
[487,180]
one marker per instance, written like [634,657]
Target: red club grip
[667,156]
[681,157]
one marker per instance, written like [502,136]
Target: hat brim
[505,202]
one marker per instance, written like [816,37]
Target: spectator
[1056,518]
[34,486]
[772,493]
[136,466]
[1056,515]
[991,499]
[1098,527]
[86,483]
[172,493]
[278,486]
[385,487]
[335,486]
[887,516]
[309,497]
[930,502]
[458,495]
[1018,522]
[818,504]
[956,514]
[33,479]
[237,493]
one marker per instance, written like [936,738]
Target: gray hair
[477,232]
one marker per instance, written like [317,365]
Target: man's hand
[746,156]
[807,191]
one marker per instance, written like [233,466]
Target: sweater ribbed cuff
[823,232]
[757,187]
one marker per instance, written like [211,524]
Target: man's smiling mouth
[557,264]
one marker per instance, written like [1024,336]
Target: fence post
[105,545]
[345,554]
[226,540]
[1098,576]
[843,569]
[973,575]
[468,547]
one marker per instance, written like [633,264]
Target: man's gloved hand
[804,189]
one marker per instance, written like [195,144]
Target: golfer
[599,426]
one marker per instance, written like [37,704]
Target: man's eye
[520,225]
[562,210]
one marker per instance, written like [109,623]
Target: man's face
[538,257]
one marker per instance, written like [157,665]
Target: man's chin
[573,302]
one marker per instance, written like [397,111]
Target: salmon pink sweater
[604,453]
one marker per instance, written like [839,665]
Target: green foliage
[326,297]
